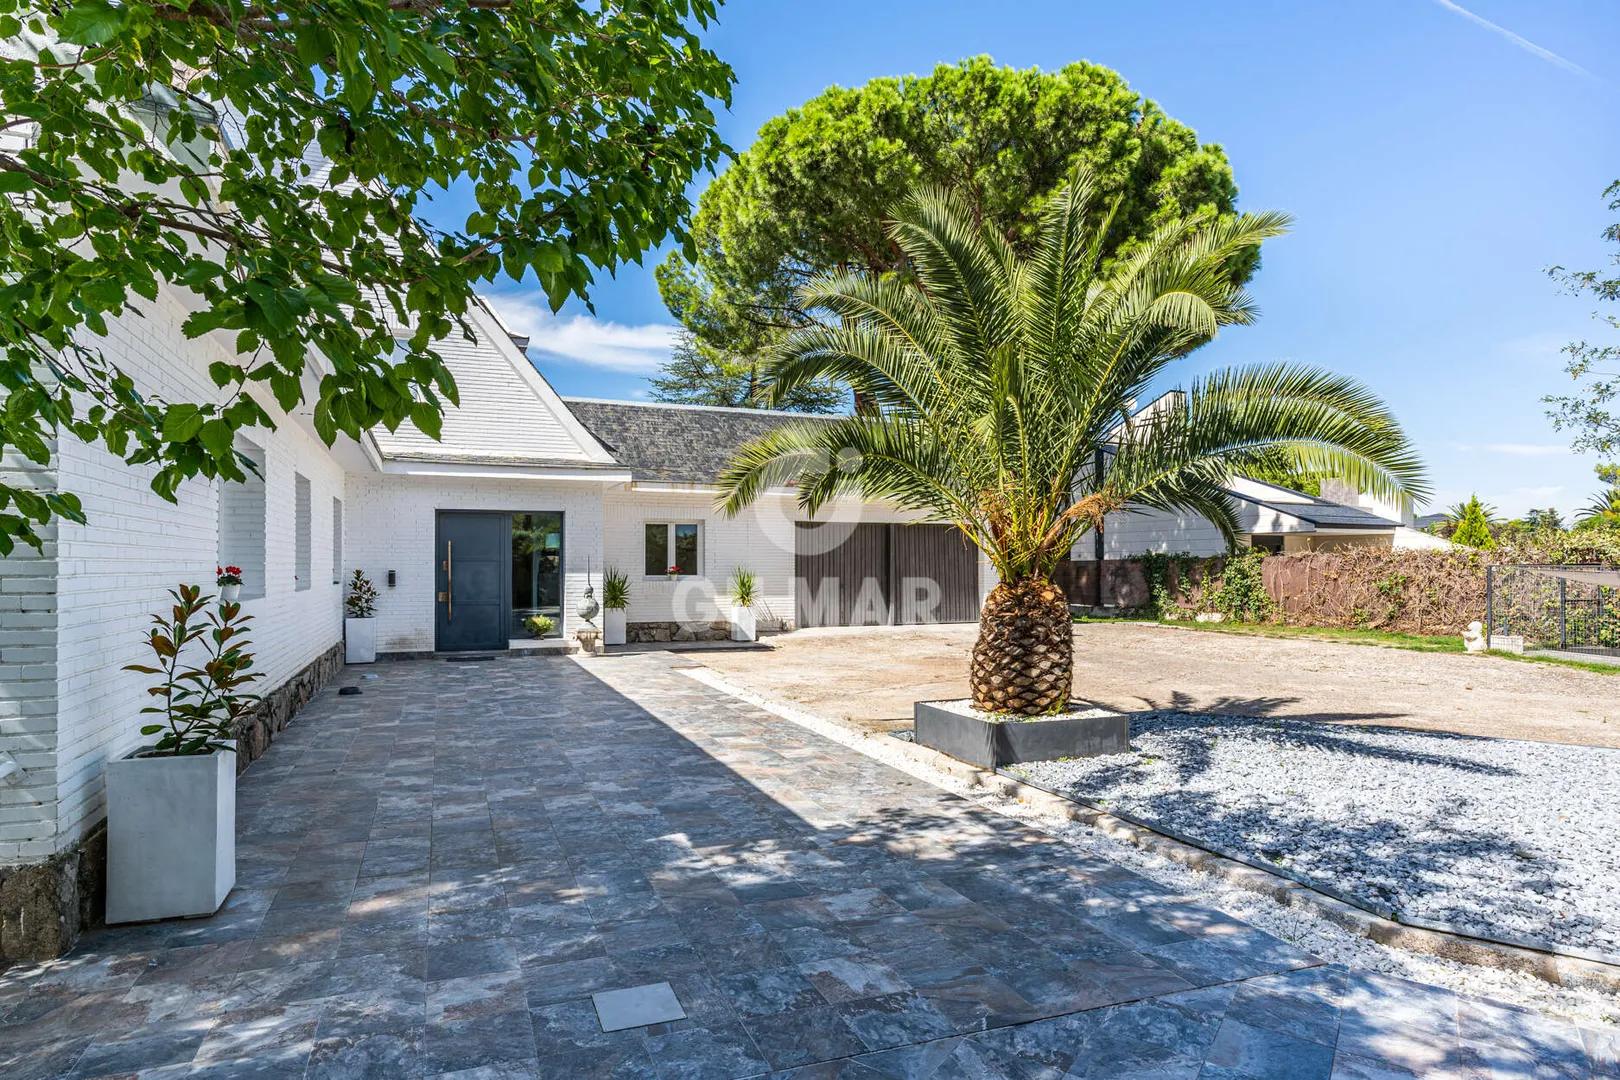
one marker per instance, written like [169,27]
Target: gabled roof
[1324,514]
[676,444]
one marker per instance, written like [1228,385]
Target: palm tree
[1604,509]
[994,382]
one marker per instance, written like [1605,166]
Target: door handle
[450,580]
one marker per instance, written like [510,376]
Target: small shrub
[744,587]
[361,601]
[615,590]
[539,626]
[200,706]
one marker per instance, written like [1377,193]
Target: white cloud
[1518,40]
[1519,449]
[583,339]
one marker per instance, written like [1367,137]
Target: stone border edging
[1549,965]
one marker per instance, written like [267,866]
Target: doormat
[466,659]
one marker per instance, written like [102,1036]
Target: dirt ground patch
[871,676]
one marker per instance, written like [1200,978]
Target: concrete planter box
[742,624]
[360,641]
[613,626]
[171,836]
[990,745]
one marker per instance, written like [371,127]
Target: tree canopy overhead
[151,142]
[813,193]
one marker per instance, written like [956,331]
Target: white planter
[171,836]
[742,623]
[359,641]
[613,626]
[229,593]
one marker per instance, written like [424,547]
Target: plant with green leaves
[615,589]
[1592,412]
[1604,510]
[744,587]
[539,626]
[201,706]
[997,380]
[267,164]
[813,192]
[360,602]
[1471,523]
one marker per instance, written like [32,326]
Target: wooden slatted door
[876,574]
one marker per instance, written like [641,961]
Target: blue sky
[1436,157]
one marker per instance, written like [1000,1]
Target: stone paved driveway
[435,877]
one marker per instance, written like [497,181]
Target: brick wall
[112,573]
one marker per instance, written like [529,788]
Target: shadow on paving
[435,876]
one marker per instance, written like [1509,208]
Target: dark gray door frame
[497,640]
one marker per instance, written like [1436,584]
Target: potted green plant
[360,620]
[539,626]
[744,592]
[615,602]
[171,804]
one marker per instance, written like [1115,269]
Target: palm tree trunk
[1023,661]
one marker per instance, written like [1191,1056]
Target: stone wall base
[45,906]
[638,633]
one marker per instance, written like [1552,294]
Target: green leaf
[91,22]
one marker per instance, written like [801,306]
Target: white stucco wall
[113,572]
[760,539]
[390,522]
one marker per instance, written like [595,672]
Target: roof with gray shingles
[675,444]
[1328,515]
[693,444]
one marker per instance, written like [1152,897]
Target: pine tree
[1473,525]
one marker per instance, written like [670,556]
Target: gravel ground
[1513,840]
[871,676]
[1327,940]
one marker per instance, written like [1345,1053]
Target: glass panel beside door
[537,556]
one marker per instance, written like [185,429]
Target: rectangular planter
[171,836]
[992,745]
[743,627]
[613,626]
[360,641]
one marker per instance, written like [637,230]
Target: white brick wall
[28,616]
[113,572]
[390,523]
[760,539]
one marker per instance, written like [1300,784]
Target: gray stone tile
[706,1053]
[637,1006]
[436,885]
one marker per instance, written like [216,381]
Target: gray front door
[474,578]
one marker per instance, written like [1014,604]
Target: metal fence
[1569,608]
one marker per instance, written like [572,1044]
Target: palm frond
[997,381]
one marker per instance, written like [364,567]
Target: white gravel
[1513,840]
[1327,940]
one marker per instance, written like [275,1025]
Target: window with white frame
[337,540]
[302,555]
[241,521]
[673,548]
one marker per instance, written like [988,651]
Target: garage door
[868,575]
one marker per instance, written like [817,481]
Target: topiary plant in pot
[360,620]
[615,603]
[171,804]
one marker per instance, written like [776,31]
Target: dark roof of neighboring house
[675,444]
[1328,515]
